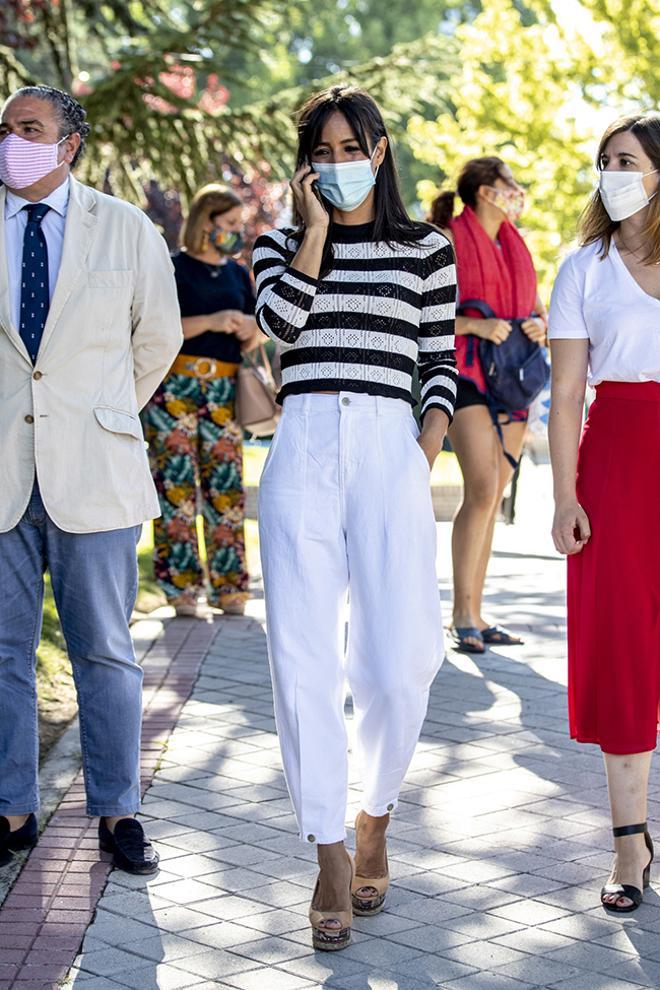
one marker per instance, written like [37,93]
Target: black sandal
[499,636]
[461,636]
[633,893]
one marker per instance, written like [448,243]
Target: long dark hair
[392,223]
[594,223]
[475,173]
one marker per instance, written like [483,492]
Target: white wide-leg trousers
[345,507]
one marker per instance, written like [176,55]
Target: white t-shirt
[601,301]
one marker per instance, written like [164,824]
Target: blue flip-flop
[461,634]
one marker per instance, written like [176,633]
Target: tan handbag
[256,409]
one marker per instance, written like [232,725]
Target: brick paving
[497,850]
[45,915]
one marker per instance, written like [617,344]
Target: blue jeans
[94,580]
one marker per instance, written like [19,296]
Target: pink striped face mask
[22,163]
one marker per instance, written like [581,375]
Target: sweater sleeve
[437,359]
[284,295]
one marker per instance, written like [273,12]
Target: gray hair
[71,116]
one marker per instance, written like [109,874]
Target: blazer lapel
[79,233]
[5,300]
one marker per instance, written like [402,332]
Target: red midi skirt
[614,583]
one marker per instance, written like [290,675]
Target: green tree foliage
[615,47]
[156,79]
[537,90]
[148,74]
[511,100]
[336,39]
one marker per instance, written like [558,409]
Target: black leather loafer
[24,837]
[130,848]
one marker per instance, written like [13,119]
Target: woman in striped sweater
[358,295]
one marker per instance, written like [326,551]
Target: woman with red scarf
[494,266]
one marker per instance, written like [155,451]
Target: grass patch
[149,595]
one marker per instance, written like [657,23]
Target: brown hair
[477,172]
[207,203]
[595,223]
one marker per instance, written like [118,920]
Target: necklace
[213,270]
[634,253]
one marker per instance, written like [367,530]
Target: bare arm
[540,308]
[494,329]
[223,321]
[570,530]
[194,325]
[432,437]
[536,327]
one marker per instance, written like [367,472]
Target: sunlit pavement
[497,850]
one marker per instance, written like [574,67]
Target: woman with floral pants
[195,444]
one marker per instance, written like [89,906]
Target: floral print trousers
[195,449]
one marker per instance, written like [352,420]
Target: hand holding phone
[307,198]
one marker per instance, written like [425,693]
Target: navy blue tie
[35,295]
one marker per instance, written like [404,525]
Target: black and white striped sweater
[362,327]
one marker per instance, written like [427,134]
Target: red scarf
[503,276]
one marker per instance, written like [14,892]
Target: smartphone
[315,185]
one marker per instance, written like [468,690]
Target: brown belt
[201,367]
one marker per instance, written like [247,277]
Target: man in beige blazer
[89,326]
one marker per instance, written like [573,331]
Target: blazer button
[37,375]
[29,419]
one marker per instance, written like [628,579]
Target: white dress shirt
[53,227]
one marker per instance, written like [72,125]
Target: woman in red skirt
[605,328]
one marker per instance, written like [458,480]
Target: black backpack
[515,371]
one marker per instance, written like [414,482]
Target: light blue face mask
[347,184]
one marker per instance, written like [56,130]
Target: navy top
[205,288]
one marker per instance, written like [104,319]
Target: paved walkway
[497,850]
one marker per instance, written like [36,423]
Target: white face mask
[347,184]
[623,193]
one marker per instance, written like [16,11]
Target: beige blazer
[112,331]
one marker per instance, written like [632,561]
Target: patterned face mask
[510,201]
[226,241]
